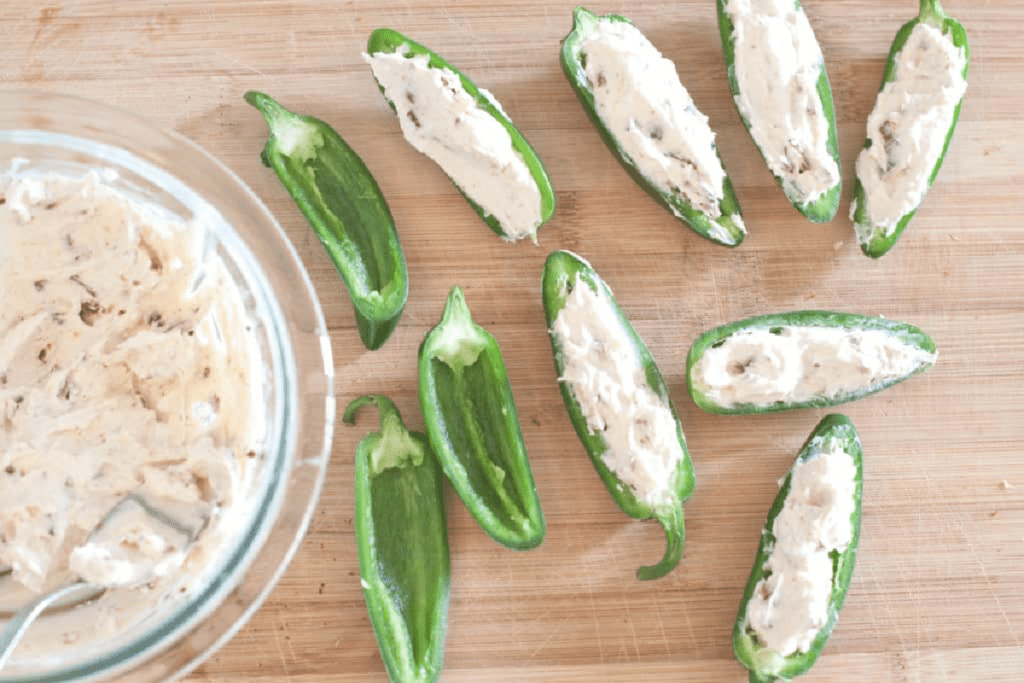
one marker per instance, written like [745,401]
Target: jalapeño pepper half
[823,208]
[403,544]
[564,271]
[877,240]
[388,41]
[770,359]
[474,427]
[767,665]
[725,228]
[342,202]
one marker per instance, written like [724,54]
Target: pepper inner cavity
[373,270]
[471,407]
[396,499]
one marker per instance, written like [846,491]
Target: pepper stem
[456,341]
[671,518]
[393,445]
[385,407]
[932,9]
[583,18]
[266,105]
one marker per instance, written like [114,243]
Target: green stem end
[385,407]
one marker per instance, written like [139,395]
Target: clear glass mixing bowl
[69,134]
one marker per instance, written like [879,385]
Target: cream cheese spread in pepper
[639,97]
[443,121]
[608,381]
[126,368]
[795,364]
[778,63]
[790,605]
[908,127]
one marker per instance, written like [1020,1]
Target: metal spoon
[80,592]
[19,624]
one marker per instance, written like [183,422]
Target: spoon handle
[19,624]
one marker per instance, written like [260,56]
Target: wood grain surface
[938,593]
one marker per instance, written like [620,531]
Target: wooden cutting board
[938,594]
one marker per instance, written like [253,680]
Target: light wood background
[937,594]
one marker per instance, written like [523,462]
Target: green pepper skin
[402,538]
[765,665]
[560,272]
[931,13]
[388,40]
[342,202]
[474,429]
[573,60]
[904,332]
[824,208]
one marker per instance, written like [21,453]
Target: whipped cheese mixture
[608,380]
[790,606]
[440,119]
[800,363]
[907,128]
[127,378]
[639,97]
[777,66]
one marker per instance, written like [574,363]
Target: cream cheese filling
[790,606]
[640,99]
[606,376]
[443,121]
[126,367]
[907,129]
[798,363]
[777,67]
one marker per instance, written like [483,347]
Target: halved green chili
[822,209]
[563,271]
[342,202]
[727,228]
[784,328]
[389,41]
[874,240]
[473,427]
[767,665]
[403,544]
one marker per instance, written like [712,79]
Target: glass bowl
[68,134]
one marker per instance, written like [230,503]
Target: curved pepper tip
[672,520]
